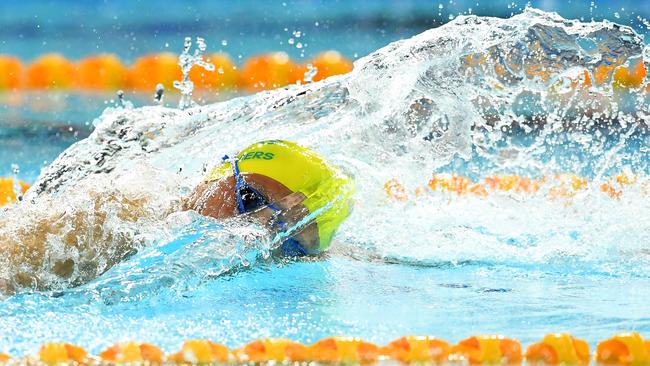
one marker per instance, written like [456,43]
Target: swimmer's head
[272,170]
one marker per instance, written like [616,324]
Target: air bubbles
[224,42]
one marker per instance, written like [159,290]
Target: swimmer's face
[217,199]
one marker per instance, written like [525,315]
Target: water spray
[310,73]
[158,97]
[186,61]
[15,169]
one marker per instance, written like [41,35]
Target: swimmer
[280,183]
[288,188]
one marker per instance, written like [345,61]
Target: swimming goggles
[250,199]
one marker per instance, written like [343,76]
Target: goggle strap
[291,246]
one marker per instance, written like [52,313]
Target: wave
[534,94]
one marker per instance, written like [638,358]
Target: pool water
[439,264]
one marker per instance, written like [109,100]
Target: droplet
[224,42]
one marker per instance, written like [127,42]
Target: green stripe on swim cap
[300,169]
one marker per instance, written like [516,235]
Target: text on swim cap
[257,155]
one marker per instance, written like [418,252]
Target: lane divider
[105,72]
[554,349]
[261,72]
[556,186]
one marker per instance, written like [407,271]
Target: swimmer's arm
[212,199]
[26,249]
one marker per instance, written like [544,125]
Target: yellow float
[58,353]
[130,352]
[200,351]
[344,350]
[488,349]
[624,349]
[7,190]
[558,348]
[276,350]
[417,349]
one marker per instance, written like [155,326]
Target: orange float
[7,192]
[559,186]
[58,353]
[330,63]
[566,186]
[50,71]
[200,351]
[101,72]
[614,187]
[129,352]
[344,350]
[224,76]
[488,349]
[4,357]
[602,73]
[269,71]
[417,349]
[558,348]
[449,183]
[516,183]
[151,70]
[278,350]
[11,73]
[629,77]
[395,190]
[624,349]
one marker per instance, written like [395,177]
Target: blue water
[441,265]
[306,301]
[76,29]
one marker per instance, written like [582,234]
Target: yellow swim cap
[301,170]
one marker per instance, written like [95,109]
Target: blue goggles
[250,199]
